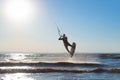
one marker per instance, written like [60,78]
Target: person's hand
[61,36]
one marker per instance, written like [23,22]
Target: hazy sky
[29,25]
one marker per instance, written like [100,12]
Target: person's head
[63,35]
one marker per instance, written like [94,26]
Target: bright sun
[19,11]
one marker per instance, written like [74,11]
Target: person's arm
[60,38]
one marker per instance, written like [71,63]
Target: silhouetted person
[65,41]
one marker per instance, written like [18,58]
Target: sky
[30,25]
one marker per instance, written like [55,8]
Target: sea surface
[59,66]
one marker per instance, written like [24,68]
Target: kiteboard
[72,51]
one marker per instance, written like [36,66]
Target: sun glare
[16,76]
[18,57]
[19,11]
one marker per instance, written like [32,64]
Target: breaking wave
[47,70]
[50,64]
[45,67]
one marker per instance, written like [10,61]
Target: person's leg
[66,46]
[69,44]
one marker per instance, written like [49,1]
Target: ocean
[59,66]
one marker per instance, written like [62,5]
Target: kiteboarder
[66,44]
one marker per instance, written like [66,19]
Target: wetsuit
[65,41]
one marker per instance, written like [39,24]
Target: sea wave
[50,64]
[45,67]
[47,70]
